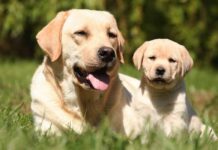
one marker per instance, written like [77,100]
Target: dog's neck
[91,104]
[162,99]
[179,87]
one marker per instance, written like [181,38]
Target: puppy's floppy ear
[186,59]
[49,38]
[120,46]
[139,54]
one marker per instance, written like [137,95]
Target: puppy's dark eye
[171,60]
[81,33]
[112,35]
[152,57]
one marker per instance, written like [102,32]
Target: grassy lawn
[16,127]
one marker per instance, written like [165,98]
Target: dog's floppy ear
[120,46]
[49,38]
[139,54]
[186,59]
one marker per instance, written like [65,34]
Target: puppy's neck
[153,92]
[164,101]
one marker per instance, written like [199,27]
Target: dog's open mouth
[97,79]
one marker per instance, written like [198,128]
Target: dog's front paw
[77,126]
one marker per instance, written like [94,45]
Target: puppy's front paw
[172,125]
[208,131]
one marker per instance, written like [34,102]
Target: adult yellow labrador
[162,91]
[78,81]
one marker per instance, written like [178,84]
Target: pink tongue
[99,82]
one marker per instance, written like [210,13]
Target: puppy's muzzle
[106,54]
[160,71]
[159,75]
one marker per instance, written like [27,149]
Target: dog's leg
[45,126]
[55,117]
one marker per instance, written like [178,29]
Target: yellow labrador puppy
[162,90]
[78,81]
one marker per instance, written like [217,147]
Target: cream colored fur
[163,100]
[59,100]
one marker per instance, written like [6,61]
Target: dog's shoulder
[40,86]
[38,76]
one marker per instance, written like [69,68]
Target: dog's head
[164,62]
[89,43]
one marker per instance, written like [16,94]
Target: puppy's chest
[163,108]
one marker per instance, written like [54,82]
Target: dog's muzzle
[160,71]
[97,79]
[106,54]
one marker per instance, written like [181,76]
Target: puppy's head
[90,44]
[164,62]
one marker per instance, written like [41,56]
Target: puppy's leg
[196,126]
[132,122]
[173,125]
[144,119]
[54,117]
[209,131]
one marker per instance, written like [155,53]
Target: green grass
[16,126]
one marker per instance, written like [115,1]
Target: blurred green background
[192,23]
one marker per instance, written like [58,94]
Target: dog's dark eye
[171,60]
[112,35]
[152,57]
[81,33]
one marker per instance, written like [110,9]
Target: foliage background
[192,23]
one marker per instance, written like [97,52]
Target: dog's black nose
[160,71]
[106,54]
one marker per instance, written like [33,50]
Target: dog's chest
[69,96]
[163,107]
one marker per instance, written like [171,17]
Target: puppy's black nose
[160,71]
[106,54]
